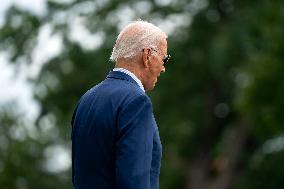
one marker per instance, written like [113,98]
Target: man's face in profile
[156,66]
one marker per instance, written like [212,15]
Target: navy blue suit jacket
[115,139]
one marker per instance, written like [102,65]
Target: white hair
[134,38]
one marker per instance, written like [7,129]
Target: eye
[166,59]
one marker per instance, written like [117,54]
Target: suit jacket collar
[122,76]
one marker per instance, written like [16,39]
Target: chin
[149,88]
[152,87]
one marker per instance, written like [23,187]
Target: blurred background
[219,106]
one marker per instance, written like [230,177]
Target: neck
[130,66]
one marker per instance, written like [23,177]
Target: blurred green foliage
[219,105]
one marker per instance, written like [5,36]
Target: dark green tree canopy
[219,105]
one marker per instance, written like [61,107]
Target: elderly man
[115,139]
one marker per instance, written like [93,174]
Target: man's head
[141,47]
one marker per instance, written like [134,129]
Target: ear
[146,57]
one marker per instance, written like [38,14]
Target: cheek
[155,71]
[158,69]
